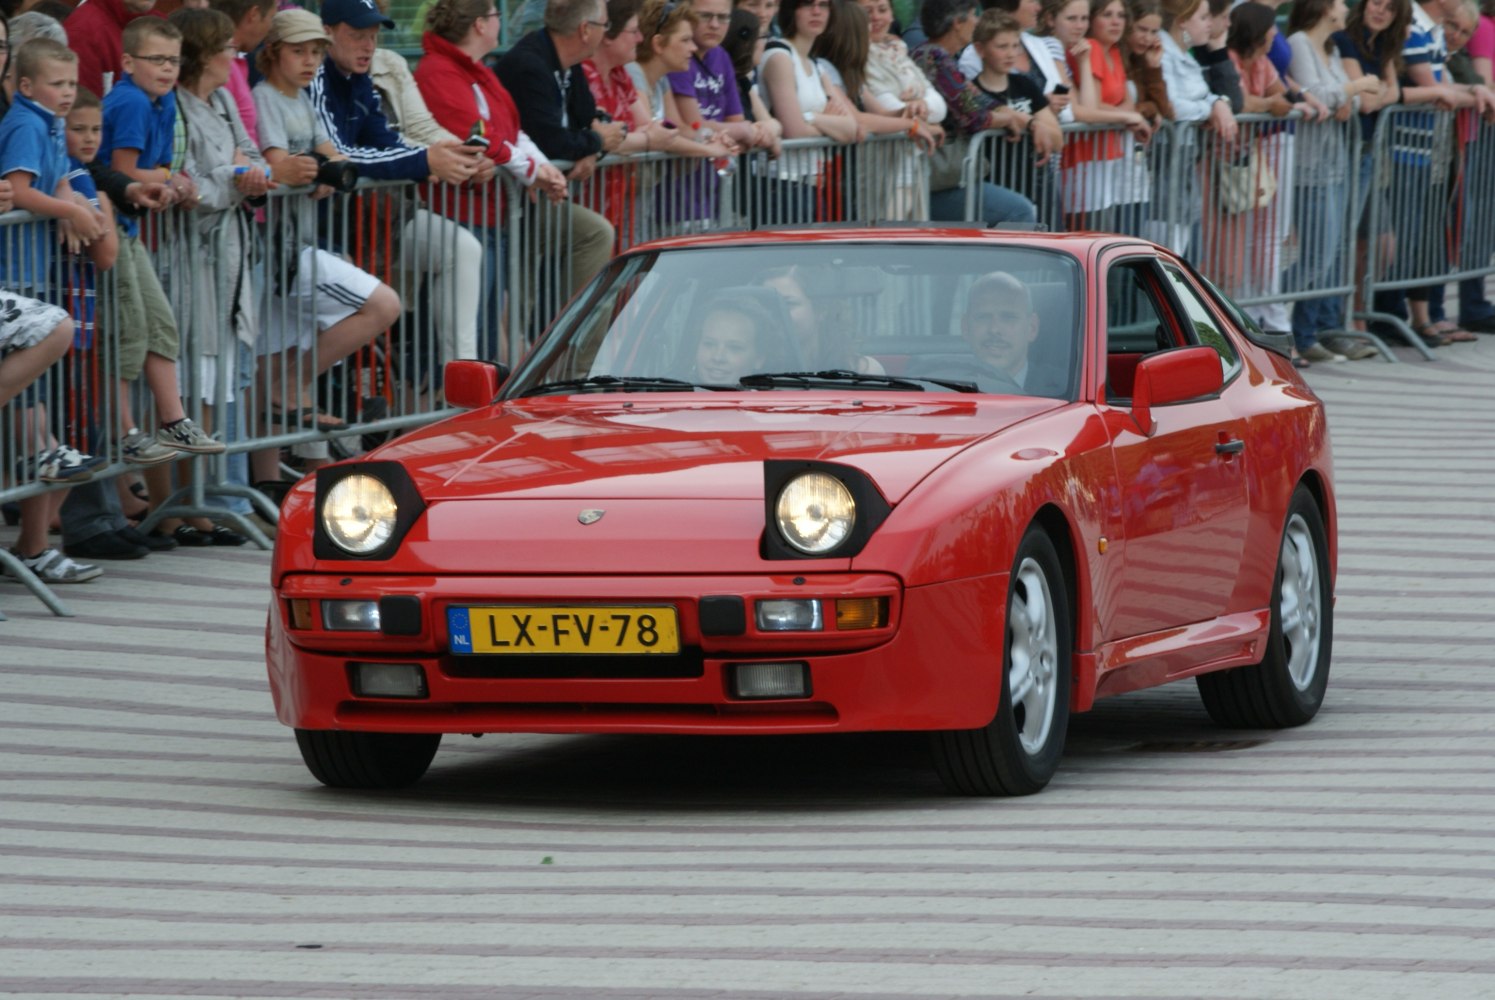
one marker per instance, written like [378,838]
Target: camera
[340,175]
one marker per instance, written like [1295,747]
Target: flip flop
[307,417]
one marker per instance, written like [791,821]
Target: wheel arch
[1318,487]
[1056,525]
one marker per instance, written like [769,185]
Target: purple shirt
[712,81]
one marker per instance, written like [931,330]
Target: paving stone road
[160,837]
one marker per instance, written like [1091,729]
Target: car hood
[646,447]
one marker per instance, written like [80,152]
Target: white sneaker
[185,435]
[139,448]
[54,567]
[1318,353]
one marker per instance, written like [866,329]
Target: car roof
[1079,244]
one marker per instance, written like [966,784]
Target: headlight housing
[815,513]
[364,510]
[359,514]
[818,510]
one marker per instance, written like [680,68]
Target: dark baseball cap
[354,13]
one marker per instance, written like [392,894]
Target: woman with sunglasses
[706,93]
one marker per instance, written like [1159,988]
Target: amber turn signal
[853,613]
[300,609]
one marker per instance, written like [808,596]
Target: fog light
[770,680]
[854,613]
[300,613]
[350,616]
[788,616]
[389,680]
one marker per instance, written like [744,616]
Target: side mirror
[1174,376]
[473,384]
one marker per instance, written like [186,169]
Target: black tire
[1287,687]
[366,760]
[1006,756]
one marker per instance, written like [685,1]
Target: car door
[1183,488]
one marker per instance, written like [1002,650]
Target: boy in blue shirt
[33,158]
[33,162]
[139,119]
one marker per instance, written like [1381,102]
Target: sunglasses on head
[664,16]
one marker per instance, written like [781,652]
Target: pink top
[1257,79]
[1482,45]
[238,86]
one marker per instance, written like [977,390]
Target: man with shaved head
[999,324]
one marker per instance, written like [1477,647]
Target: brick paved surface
[160,837]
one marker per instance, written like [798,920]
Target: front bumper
[935,665]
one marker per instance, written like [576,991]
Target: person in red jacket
[466,98]
[94,31]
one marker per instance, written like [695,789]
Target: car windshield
[783,317]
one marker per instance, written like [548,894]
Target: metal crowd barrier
[1428,223]
[1272,217]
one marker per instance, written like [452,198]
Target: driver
[999,325]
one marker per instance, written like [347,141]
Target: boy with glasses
[707,92]
[139,128]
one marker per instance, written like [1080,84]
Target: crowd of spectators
[112,112]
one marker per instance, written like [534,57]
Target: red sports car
[826,481]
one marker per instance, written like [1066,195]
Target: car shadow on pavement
[852,771]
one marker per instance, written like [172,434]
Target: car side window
[1203,328]
[1136,323]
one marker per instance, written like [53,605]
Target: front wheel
[1019,750]
[1287,687]
[366,760]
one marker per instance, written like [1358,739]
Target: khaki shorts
[145,322]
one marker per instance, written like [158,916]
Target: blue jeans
[1318,216]
[998,204]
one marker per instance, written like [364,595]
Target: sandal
[1451,332]
[222,535]
[190,537]
[1430,337]
[303,418]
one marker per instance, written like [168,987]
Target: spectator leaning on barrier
[351,112]
[1210,53]
[1471,45]
[317,298]
[950,25]
[1186,23]
[465,96]
[707,91]
[616,96]
[1035,60]
[1322,179]
[666,47]
[892,76]
[33,163]
[543,74]
[1419,239]
[251,20]
[842,52]
[96,33]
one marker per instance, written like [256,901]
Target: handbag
[1245,186]
[947,163]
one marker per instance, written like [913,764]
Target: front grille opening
[688,663]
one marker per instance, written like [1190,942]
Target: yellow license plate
[582,629]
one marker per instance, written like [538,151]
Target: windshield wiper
[619,383]
[841,376]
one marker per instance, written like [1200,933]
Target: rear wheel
[366,760]
[1287,687]
[1019,750]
